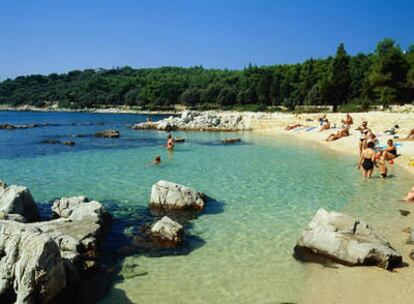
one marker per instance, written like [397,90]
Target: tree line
[384,77]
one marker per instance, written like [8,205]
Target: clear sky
[45,36]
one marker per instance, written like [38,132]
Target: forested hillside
[383,77]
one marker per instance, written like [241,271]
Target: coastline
[343,284]
[110,110]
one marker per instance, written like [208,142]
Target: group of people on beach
[371,153]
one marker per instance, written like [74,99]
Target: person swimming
[157,160]
[367,160]
[170,142]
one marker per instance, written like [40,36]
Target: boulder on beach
[168,195]
[31,266]
[18,200]
[167,233]
[230,141]
[107,134]
[344,239]
[64,206]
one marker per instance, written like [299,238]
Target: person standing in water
[170,143]
[367,160]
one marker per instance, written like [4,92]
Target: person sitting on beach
[326,125]
[363,138]
[410,136]
[341,133]
[390,152]
[367,160]
[322,119]
[290,127]
[170,142]
[157,160]
[348,121]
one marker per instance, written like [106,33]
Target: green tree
[340,77]
[389,72]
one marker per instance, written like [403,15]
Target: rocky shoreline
[41,260]
[201,121]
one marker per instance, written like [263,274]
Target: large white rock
[347,240]
[168,195]
[64,207]
[18,200]
[30,265]
[166,232]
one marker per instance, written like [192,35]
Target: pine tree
[340,78]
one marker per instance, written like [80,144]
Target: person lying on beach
[341,133]
[363,128]
[390,152]
[290,127]
[410,136]
[367,160]
[170,142]
[410,195]
[326,125]
[348,121]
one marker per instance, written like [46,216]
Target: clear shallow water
[239,249]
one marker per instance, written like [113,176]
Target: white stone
[348,240]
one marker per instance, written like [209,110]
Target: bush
[310,109]
[358,105]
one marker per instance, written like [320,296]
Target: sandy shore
[341,284]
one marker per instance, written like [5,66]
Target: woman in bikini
[367,160]
[391,151]
[364,134]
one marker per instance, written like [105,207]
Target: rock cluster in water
[194,120]
[40,259]
[107,134]
[347,240]
[172,196]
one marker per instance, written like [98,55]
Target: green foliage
[349,82]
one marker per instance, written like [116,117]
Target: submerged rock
[18,200]
[168,195]
[179,140]
[167,233]
[69,143]
[108,134]
[51,141]
[231,140]
[347,240]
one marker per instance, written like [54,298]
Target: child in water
[157,160]
[383,165]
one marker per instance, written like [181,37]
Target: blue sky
[45,36]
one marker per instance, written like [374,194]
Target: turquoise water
[239,249]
